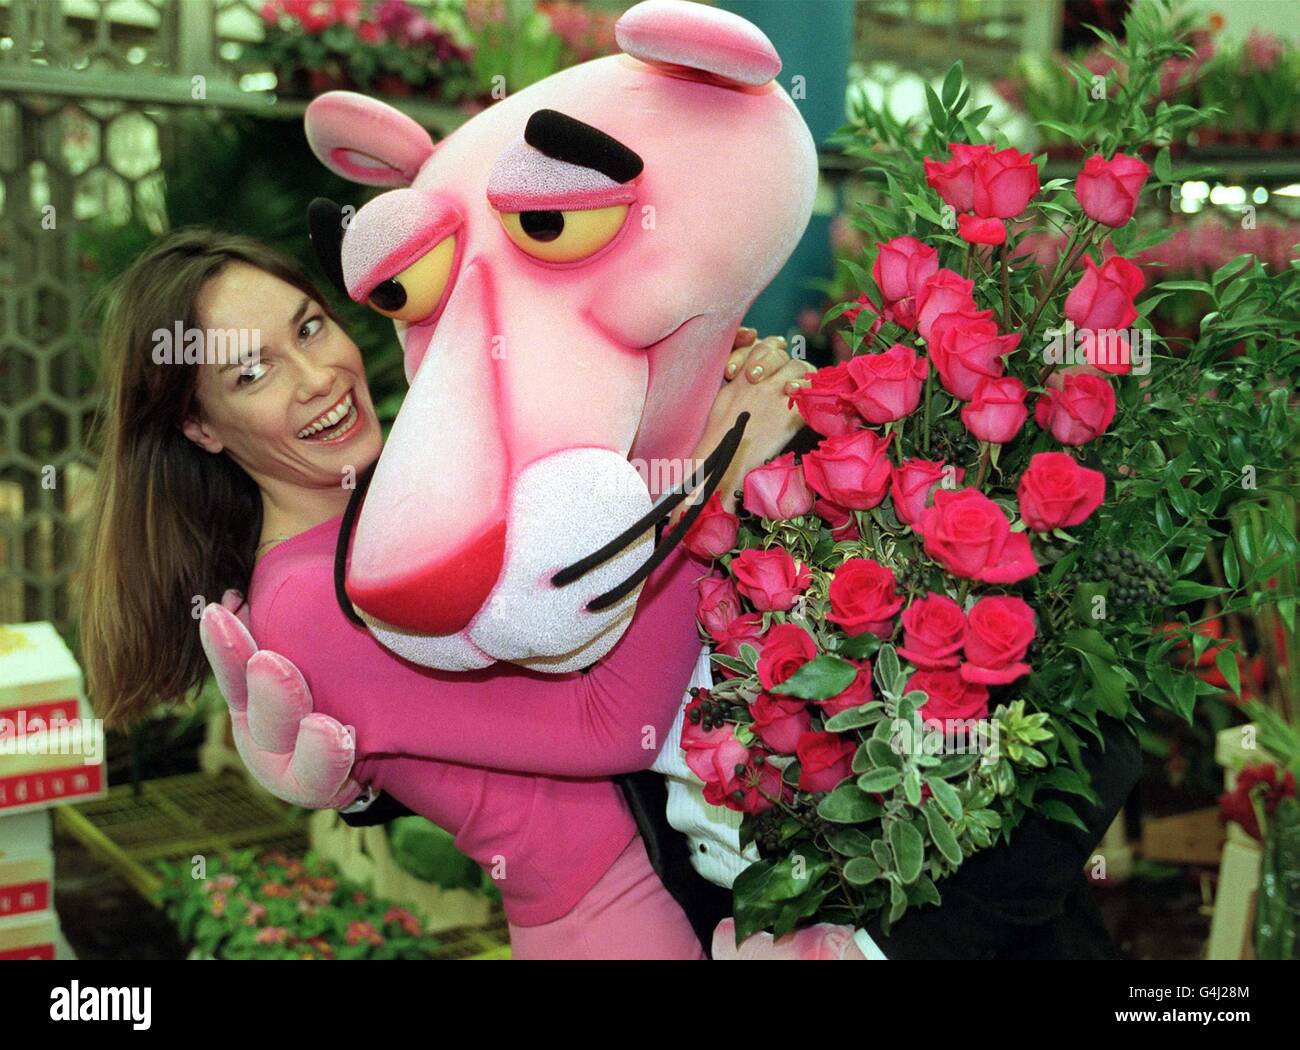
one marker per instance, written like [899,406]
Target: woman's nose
[315,380]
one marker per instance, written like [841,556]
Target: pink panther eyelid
[440,221]
[525,179]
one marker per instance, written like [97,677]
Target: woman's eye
[414,294]
[310,327]
[251,375]
[563,236]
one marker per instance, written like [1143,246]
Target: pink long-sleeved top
[514,763]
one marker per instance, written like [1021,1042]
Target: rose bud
[786,648]
[779,721]
[777,490]
[713,533]
[1076,407]
[998,411]
[944,292]
[824,405]
[718,607]
[967,351]
[1108,190]
[913,482]
[887,386]
[934,630]
[954,180]
[850,469]
[1103,297]
[998,632]
[967,533]
[1003,183]
[1055,492]
[864,597]
[824,760]
[974,230]
[770,580]
[901,267]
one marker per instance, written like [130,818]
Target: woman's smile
[337,423]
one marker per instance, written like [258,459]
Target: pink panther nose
[438,596]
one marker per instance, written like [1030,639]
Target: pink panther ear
[688,36]
[365,140]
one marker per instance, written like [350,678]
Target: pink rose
[746,629]
[711,754]
[949,696]
[770,580]
[974,230]
[779,721]
[954,180]
[964,354]
[1108,189]
[934,630]
[967,533]
[786,648]
[887,386]
[863,303]
[913,482]
[824,405]
[1076,407]
[944,292]
[850,469]
[864,597]
[718,607]
[1103,297]
[1055,492]
[1004,182]
[824,760]
[998,410]
[998,632]
[713,533]
[777,490]
[903,265]
[841,521]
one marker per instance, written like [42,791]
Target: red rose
[1076,407]
[713,533]
[1055,492]
[824,405]
[943,292]
[934,630]
[967,350]
[824,760]
[864,597]
[850,469]
[967,533]
[903,265]
[844,525]
[954,181]
[770,579]
[779,721]
[911,484]
[1004,182]
[998,410]
[964,317]
[1108,189]
[743,630]
[974,230]
[887,386]
[949,696]
[998,632]
[786,648]
[1263,780]
[711,754]
[1102,300]
[777,490]
[719,606]
[858,693]
[754,791]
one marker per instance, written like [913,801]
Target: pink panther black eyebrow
[565,138]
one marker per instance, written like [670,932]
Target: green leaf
[861,870]
[908,848]
[878,781]
[941,834]
[946,796]
[848,804]
[1089,641]
[1231,568]
[854,718]
[820,678]
[952,85]
[912,785]
[1183,591]
[1226,662]
[1055,809]
[860,647]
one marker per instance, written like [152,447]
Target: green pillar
[814,39]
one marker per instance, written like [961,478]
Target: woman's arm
[611,719]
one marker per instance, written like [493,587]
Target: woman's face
[299,412]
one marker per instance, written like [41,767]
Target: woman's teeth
[343,416]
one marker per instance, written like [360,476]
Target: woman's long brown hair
[171,525]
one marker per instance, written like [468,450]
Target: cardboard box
[26,834]
[51,746]
[26,885]
[32,936]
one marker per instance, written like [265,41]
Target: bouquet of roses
[922,618]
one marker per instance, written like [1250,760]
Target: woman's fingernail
[756,371]
[731,370]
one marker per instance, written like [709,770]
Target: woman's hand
[771,377]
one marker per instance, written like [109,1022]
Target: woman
[221,474]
